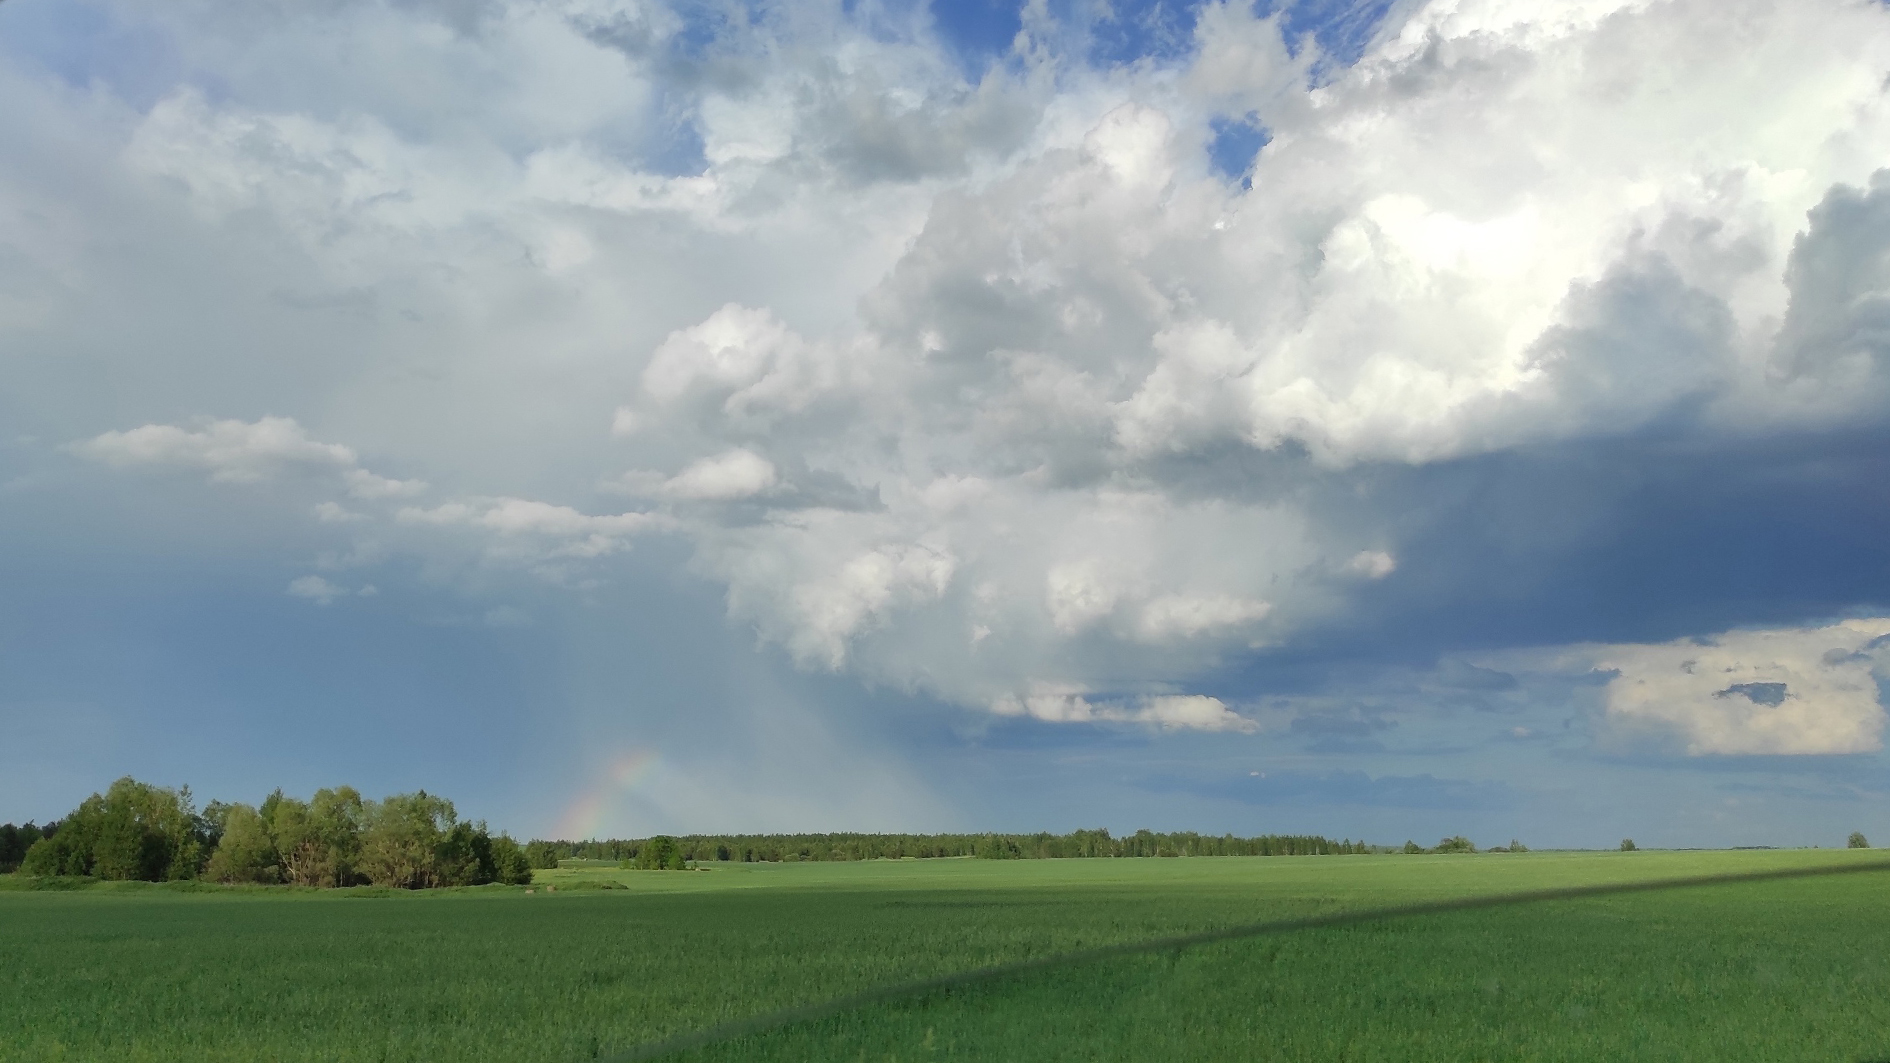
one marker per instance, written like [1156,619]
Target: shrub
[1627,845]
[1858,841]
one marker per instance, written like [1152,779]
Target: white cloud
[1167,712]
[316,589]
[864,591]
[1079,595]
[736,474]
[1004,358]
[1372,564]
[246,452]
[364,484]
[1777,691]
[233,451]
[572,533]
[1174,616]
[1519,233]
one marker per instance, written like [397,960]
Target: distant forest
[749,848]
[336,838]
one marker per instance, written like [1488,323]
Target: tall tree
[245,852]
[318,841]
[509,865]
[660,853]
[132,831]
[401,845]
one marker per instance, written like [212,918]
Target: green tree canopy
[245,852]
[15,841]
[404,840]
[318,841]
[132,831]
[660,853]
[507,862]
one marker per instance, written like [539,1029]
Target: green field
[1782,970]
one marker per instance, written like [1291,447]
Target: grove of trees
[138,831]
[15,841]
[660,853]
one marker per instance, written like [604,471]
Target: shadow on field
[946,983]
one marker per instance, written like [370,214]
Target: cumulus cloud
[1372,564]
[319,590]
[991,388]
[1167,712]
[736,474]
[1776,691]
[364,484]
[1477,278]
[573,534]
[233,451]
[1173,616]
[244,452]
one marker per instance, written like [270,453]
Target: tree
[660,853]
[15,841]
[456,860]
[1857,840]
[1517,847]
[543,854]
[245,852]
[318,841]
[209,824]
[402,844]
[1412,848]
[510,865]
[132,831]
[1627,845]
[1456,844]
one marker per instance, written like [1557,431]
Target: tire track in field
[729,1031]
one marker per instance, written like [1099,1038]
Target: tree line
[136,831]
[752,848]
[15,841]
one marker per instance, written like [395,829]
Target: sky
[1383,419]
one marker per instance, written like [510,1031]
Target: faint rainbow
[584,816]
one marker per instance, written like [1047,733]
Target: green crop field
[1778,970]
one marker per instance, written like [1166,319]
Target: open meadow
[1778,970]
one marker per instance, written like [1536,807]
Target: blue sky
[1386,420]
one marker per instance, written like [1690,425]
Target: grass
[1779,970]
[1771,971]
